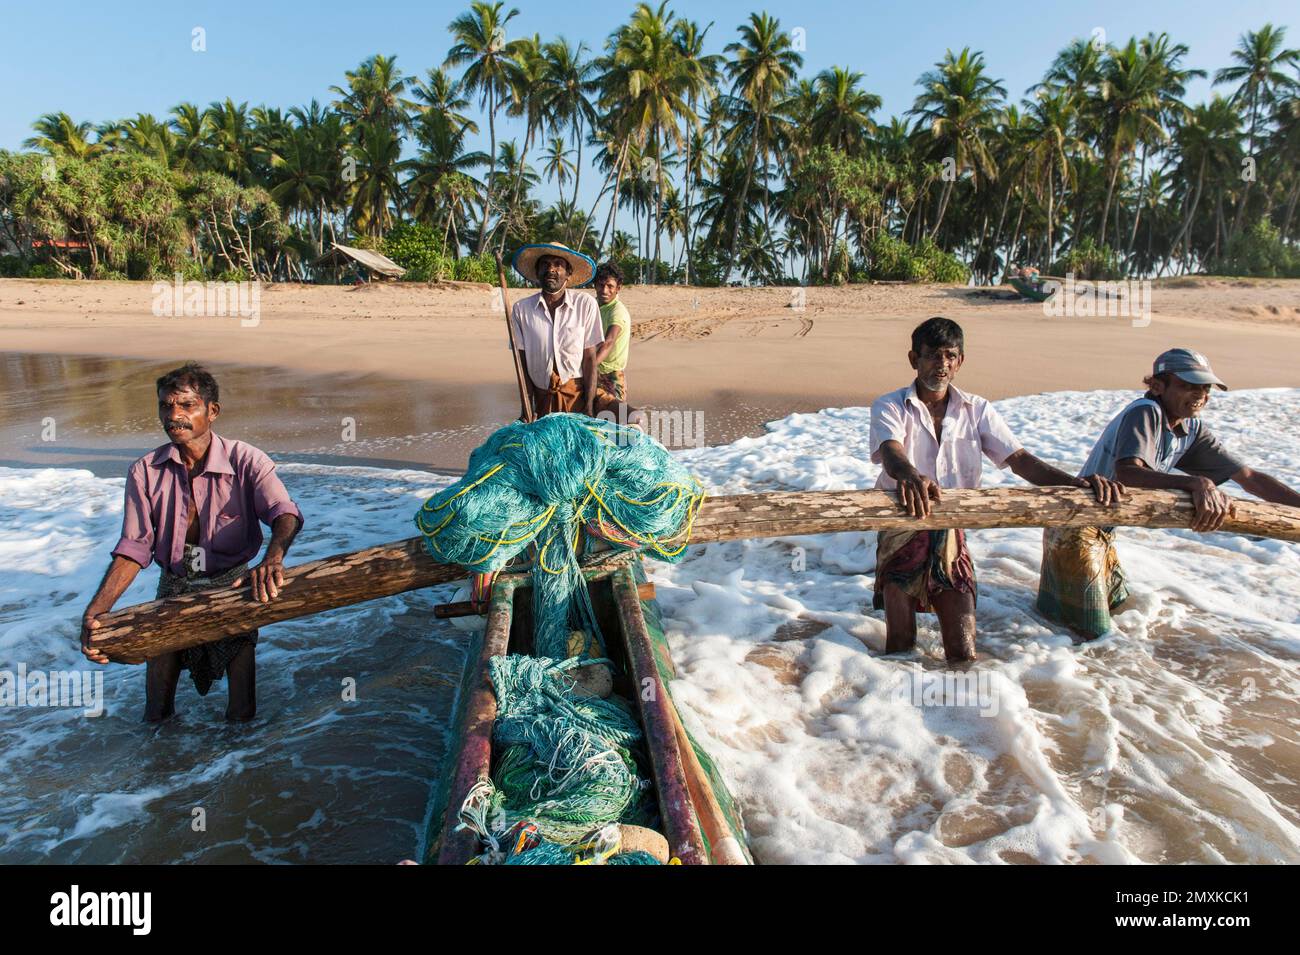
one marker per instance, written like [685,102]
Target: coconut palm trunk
[487,187]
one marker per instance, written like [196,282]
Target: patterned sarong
[613,384]
[923,563]
[207,662]
[1081,579]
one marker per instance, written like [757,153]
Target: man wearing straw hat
[558,330]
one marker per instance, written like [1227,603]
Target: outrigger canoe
[697,814]
[1035,291]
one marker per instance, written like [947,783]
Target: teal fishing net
[565,762]
[537,485]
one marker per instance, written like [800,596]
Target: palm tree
[481,43]
[1051,141]
[1164,58]
[439,93]
[377,185]
[59,135]
[702,71]
[763,66]
[441,189]
[298,176]
[841,116]
[529,98]
[373,98]
[1260,59]
[649,85]
[1132,107]
[145,135]
[556,163]
[1209,144]
[957,109]
[231,138]
[570,84]
[192,130]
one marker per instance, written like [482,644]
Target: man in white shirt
[929,436]
[558,330]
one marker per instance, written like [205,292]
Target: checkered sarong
[207,662]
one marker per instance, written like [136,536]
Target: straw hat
[581,268]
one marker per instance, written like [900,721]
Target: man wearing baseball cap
[1081,581]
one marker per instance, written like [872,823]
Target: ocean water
[1172,740]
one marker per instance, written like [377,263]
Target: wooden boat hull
[1033,292]
[698,816]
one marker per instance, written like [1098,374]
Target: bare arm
[1212,506]
[1041,474]
[120,574]
[607,346]
[1267,487]
[915,490]
[588,380]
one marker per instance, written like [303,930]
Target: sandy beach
[834,347]
[425,375]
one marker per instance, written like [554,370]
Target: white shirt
[556,344]
[971,427]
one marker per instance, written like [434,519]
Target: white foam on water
[1171,740]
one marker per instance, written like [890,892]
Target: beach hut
[368,263]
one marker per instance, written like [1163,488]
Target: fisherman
[558,331]
[1081,580]
[611,356]
[929,436]
[193,506]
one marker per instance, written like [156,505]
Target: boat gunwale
[471,759]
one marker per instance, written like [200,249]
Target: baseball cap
[1191,366]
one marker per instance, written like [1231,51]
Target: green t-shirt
[615,313]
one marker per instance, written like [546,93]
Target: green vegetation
[711,167]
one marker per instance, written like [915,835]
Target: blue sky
[99,61]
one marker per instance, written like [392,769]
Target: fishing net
[565,762]
[537,484]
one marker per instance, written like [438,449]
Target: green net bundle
[538,484]
[565,762]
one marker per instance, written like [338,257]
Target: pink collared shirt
[971,427]
[237,489]
[557,343]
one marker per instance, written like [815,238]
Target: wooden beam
[137,633]
[787,514]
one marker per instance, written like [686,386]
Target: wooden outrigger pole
[134,634]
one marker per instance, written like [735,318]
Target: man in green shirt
[611,354]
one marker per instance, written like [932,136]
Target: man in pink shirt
[930,436]
[193,507]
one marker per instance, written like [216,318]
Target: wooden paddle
[525,393]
